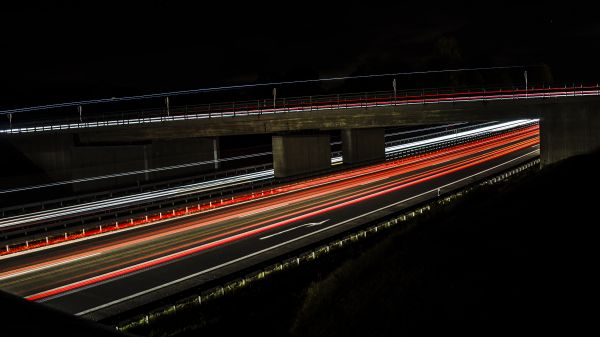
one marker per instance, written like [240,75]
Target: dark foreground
[510,257]
[513,257]
[22,318]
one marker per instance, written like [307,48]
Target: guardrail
[364,100]
[145,187]
[60,230]
[202,294]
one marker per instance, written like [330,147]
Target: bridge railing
[21,124]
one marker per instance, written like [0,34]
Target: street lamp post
[394,84]
[525,74]
[167,103]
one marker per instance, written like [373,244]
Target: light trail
[23,271]
[442,139]
[271,248]
[146,197]
[136,172]
[32,246]
[393,134]
[388,170]
[313,189]
[406,164]
[337,203]
[200,163]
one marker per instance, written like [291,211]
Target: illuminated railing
[294,104]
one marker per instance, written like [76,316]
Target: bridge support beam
[568,130]
[295,154]
[360,145]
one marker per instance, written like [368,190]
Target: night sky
[61,50]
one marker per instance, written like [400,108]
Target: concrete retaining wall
[569,130]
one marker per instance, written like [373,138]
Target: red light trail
[336,190]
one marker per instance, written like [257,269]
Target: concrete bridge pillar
[295,154]
[360,145]
[567,130]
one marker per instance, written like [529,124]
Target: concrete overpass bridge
[107,275]
[101,144]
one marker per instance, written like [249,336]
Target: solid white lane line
[310,224]
[283,243]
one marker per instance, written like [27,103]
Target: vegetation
[506,257]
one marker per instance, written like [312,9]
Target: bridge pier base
[360,145]
[295,154]
[569,130]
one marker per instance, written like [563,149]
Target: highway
[335,157]
[104,275]
[146,197]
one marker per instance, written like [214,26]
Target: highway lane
[187,235]
[37,218]
[242,229]
[414,134]
[38,256]
[311,194]
[437,141]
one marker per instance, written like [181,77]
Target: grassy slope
[519,256]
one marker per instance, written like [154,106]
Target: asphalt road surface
[102,276]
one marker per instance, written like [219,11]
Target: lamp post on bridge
[80,115]
[525,74]
[394,85]
[167,103]
[274,98]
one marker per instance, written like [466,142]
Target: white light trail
[121,202]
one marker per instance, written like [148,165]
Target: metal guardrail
[152,186]
[228,285]
[77,226]
[145,187]
[295,104]
[436,134]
